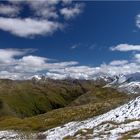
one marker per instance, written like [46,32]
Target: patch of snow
[8,135]
[132,87]
[137,135]
[115,132]
[120,114]
[16,135]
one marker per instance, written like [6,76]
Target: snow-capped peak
[129,83]
[36,77]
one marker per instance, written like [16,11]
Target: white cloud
[17,63]
[138,20]
[32,61]
[9,10]
[118,62]
[60,65]
[28,27]
[47,12]
[120,69]
[43,18]
[115,67]
[44,9]
[71,12]
[137,58]
[33,64]
[126,47]
[14,76]
[74,46]
[7,55]
[55,75]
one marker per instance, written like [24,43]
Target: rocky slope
[121,122]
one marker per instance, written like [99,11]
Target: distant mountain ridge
[129,83]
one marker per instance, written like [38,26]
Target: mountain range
[129,83]
[103,107]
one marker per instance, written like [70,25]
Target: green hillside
[26,105]
[26,98]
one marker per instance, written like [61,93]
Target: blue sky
[91,34]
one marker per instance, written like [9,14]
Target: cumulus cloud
[138,20]
[43,18]
[27,27]
[7,55]
[44,9]
[137,58]
[20,64]
[118,62]
[9,10]
[55,75]
[76,72]
[14,76]
[71,12]
[115,67]
[125,48]
[86,72]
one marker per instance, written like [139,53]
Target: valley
[33,108]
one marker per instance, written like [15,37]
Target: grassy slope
[25,99]
[97,101]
